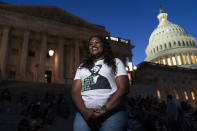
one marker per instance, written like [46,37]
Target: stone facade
[27,33]
[159,80]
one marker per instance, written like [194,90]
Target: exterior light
[51,52]
[45,75]
[114,38]
[127,69]
[130,69]
[130,65]
[135,67]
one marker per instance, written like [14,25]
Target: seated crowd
[36,114]
[150,114]
[145,114]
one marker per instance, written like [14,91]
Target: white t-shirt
[98,83]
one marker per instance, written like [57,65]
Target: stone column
[76,54]
[3,51]
[182,59]
[165,59]
[193,56]
[189,58]
[59,62]
[23,62]
[172,64]
[160,60]
[42,63]
[70,61]
[176,58]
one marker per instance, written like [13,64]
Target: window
[165,46]
[161,47]
[179,43]
[186,96]
[158,94]
[15,51]
[176,94]
[193,95]
[190,42]
[187,43]
[32,53]
[183,43]
[11,75]
[174,43]
[169,45]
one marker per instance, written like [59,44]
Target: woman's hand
[88,114]
[99,113]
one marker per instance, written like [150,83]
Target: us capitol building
[169,44]
[170,66]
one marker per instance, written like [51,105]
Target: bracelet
[104,108]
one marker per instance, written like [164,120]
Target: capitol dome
[169,44]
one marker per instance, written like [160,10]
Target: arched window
[160,47]
[165,45]
[170,45]
[187,43]
[179,43]
[157,48]
[190,42]
[183,43]
[174,43]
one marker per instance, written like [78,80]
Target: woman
[99,88]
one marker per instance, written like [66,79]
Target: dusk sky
[130,19]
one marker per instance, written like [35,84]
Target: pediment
[50,13]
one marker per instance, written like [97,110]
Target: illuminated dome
[170,44]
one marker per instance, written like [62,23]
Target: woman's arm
[78,101]
[122,83]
